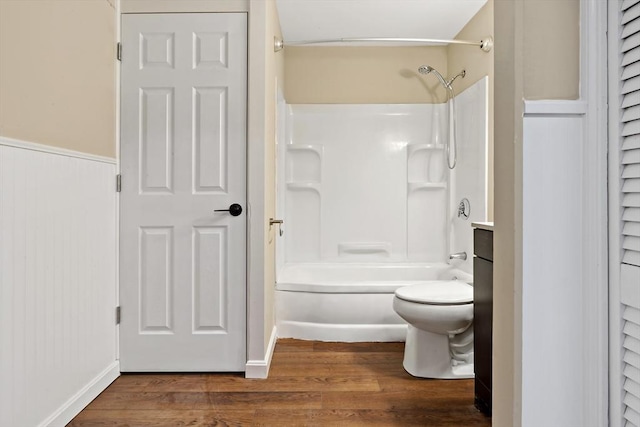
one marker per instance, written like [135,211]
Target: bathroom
[547,101]
[363,188]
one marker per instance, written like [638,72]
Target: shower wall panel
[365,183]
[469,178]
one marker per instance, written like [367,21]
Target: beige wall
[474,60]
[274,77]
[477,64]
[57,73]
[363,75]
[507,245]
[551,49]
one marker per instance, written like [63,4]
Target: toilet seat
[437,292]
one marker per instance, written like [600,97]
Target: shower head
[425,69]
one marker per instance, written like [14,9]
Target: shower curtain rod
[485,44]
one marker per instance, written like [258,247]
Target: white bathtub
[348,302]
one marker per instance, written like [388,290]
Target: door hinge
[119,51]
[117,315]
[118,183]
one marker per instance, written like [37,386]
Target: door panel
[183,155]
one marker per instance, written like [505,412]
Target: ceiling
[335,19]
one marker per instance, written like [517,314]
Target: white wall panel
[365,183]
[469,179]
[57,282]
[553,384]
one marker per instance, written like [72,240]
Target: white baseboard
[260,368]
[77,403]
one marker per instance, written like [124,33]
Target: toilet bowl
[439,340]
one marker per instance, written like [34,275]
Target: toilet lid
[437,292]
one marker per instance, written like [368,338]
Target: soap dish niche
[425,164]
[304,163]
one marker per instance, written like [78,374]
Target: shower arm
[452,79]
[485,44]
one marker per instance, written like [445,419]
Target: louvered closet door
[625,211]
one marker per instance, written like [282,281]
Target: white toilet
[440,335]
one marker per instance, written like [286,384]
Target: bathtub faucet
[459,255]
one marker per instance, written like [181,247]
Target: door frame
[593,90]
[261,329]
[259,342]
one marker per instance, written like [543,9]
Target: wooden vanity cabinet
[483,316]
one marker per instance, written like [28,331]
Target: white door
[183,155]
[624,198]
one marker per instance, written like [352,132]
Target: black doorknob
[235,210]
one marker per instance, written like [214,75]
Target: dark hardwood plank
[163,382]
[353,347]
[358,358]
[266,400]
[163,418]
[284,418]
[388,400]
[346,417]
[295,383]
[145,401]
[288,344]
[405,417]
[407,382]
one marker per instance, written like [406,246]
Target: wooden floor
[309,384]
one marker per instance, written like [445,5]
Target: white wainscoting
[553,305]
[58,283]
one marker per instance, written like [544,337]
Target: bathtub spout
[459,255]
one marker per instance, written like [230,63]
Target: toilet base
[427,355]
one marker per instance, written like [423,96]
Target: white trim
[118,70]
[256,209]
[552,107]
[185,6]
[16,143]
[260,368]
[593,88]
[77,403]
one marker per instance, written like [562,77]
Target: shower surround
[368,201]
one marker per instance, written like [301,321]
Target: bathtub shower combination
[369,206]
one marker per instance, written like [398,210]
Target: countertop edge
[483,225]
